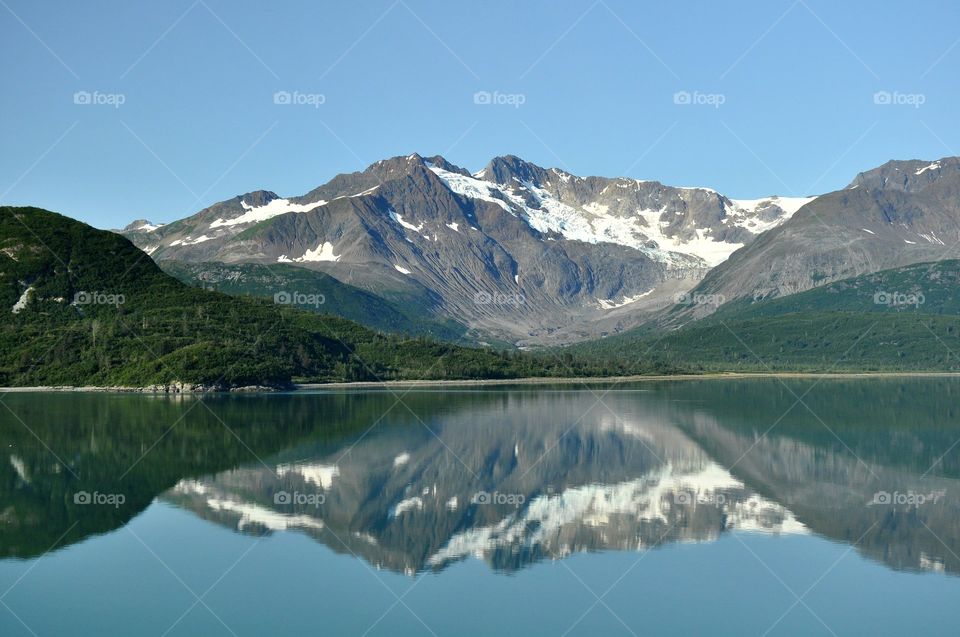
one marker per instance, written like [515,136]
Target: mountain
[920,288]
[515,251]
[901,213]
[688,228]
[654,474]
[406,500]
[86,307]
[316,291]
[902,319]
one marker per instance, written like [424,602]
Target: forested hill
[86,307]
[901,319]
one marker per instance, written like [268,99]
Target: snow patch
[22,301]
[146,226]
[20,467]
[934,166]
[187,241]
[323,252]
[407,224]
[368,191]
[320,475]
[416,502]
[609,304]
[400,269]
[747,213]
[267,211]
[262,516]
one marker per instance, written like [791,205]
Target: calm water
[677,508]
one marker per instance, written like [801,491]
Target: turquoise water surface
[721,507]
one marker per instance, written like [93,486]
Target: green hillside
[318,292]
[904,319]
[921,288]
[832,341]
[86,307]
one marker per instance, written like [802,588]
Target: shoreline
[531,381]
[598,380]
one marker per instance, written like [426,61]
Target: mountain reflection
[509,476]
[484,486]
[544,475]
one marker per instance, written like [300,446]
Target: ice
[469,186]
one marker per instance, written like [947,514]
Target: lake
[690,507]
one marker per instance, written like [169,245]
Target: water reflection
[478,482]
[509,476]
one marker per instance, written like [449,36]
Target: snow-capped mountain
[515,250]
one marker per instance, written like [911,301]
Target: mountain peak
[141,225]
[505,168]
[442,163]
[394,165]
[258,198]
[909,175]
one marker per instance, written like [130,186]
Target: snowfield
[643,231]
[268,211]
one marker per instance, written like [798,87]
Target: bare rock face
[516,251]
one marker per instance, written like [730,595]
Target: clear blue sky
[198,122]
